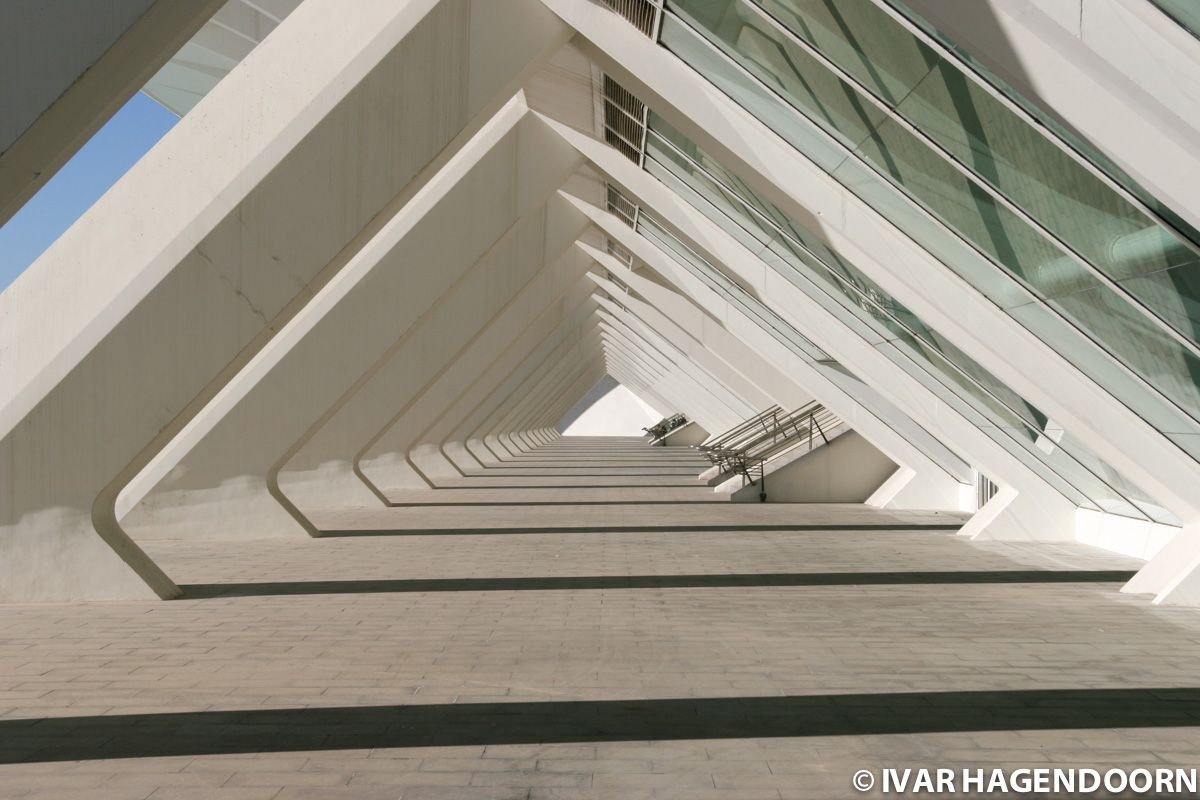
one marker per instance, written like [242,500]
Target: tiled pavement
[584,470]
[734,663]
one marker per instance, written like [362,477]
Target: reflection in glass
[1184,12]
[955,121]
[891,169]
[962,383]
[788,336]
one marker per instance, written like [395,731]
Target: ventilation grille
[615,250]
[644,14]
[622,206]
[984,490]
[624,120]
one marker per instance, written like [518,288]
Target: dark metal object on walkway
[658,430]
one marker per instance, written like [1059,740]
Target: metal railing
[665,425]
[731,439]
[746,448]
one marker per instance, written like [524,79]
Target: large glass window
[1071,140]
[789,337]
[885,162]
[1185,12]
[1010,420]
[954,141]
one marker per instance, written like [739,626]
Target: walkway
[578,470]
[625,652]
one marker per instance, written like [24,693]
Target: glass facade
[670,244]
[971,181]
[963,384]
[1184,12]
[722,285]
[1066,136]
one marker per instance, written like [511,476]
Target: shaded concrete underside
[627,651]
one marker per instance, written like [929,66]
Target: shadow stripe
[283,730]
[648,528]
[197,591]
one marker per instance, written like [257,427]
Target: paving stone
[766,661]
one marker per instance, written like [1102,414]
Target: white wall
[609,409]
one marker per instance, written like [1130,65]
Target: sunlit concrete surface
[613,399]
[609,409]
[365,277]
[625,663]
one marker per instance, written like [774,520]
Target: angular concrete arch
[392,278]
[385,458]
[687,343]
[226,462]
[323,471]
[435,433]
[407,432]
[1025,520]
[201,255]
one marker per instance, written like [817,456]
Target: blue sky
[106,157]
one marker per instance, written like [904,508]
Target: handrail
[725,438]
[747,447]
[747,434]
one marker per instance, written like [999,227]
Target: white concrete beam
[145,309]
[68,67]
[930,289]
[220,473]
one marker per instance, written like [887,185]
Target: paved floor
[586,471]
[625,661]
[545,495]
[625,516]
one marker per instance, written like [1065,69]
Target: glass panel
[730,290]
[905,359]
[1124,335]
[1146,349]
[730,222]
[1184,12]
[952,375]
[1068,137]
[998,145]
[790,338]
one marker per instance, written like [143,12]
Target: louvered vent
[618,252]
[622,206]
[985,489]
[624,120]
[644,14]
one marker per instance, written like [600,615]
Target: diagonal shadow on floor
[283,730]
[633,527]
[197,591]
